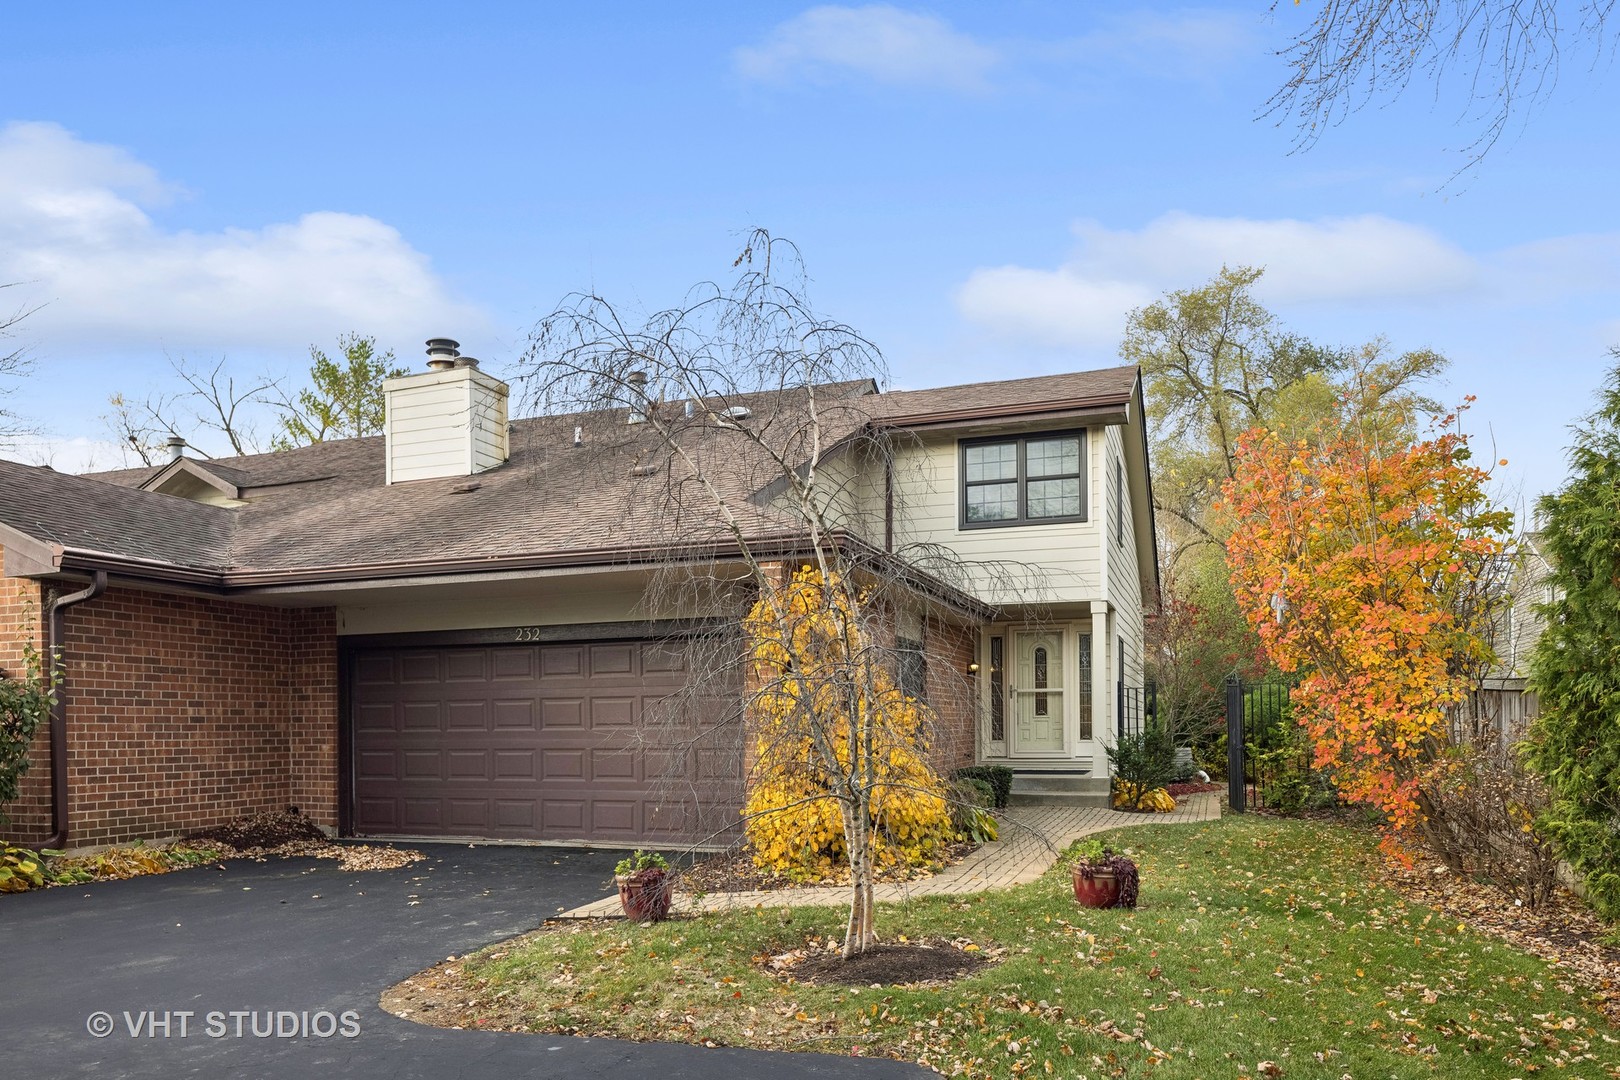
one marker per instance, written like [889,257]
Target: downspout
[54,633]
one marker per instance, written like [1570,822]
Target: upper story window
[1024,480]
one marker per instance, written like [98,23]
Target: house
[1504,697]
[451,629]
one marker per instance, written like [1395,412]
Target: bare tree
[751,420]
[13,364]
[1504,53]
[210,400]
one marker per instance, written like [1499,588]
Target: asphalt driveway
[300,936]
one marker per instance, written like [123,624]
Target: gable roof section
[88,514]
[1077,391]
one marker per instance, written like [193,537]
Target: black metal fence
[1137,704]
[1261,741]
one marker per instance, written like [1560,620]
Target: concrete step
[1059,789]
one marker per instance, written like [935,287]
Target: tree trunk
[859,933]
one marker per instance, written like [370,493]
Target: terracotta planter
[1101,890]
[645,895]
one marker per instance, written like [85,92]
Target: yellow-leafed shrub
[1157,800]
[20,869]
[827,716]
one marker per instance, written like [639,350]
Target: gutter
[54,634]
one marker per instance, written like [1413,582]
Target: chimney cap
[442,353]
[466,361]
[177,447]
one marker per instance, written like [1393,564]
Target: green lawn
[1257,940]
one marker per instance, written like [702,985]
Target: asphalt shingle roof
[327,505]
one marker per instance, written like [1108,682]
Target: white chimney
[447,421]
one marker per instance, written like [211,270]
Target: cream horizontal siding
[555,602]
[1124,569]
[445,423]
[426,429]
[489,436]
[1060,562]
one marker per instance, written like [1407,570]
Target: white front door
[1036,693]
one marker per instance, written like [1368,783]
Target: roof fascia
[293,581]
[1145,524]
[28,556]
[1109,408]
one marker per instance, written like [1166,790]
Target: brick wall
[20,613]
[184,712]
[953,691]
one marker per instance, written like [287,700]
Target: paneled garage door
[541,742]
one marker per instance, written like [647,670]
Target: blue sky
[984,190]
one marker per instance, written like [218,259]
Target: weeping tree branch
[1503,55]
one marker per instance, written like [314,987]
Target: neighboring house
[1505,695]
[447,630]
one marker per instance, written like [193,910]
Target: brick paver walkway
[1032,837]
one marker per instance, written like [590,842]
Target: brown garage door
[540,742]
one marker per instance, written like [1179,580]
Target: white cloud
[1049,307]
[1338,261]
[74,228]
[1179,44]
[68,455]
[878,42]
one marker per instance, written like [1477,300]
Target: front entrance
[1044,691]
[1036,693]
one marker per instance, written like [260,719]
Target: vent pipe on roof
[442,353]
[177,447]
[579,436]
[638,396]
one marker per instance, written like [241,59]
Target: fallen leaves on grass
[1565,933]
[730,872]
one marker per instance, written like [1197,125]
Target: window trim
[1022,479]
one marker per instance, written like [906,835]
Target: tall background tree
[238,413]
[1503,56]
[1218,364]
[344,398]
[1575,664]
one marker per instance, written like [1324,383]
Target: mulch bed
[886,965]
[730,872]
[1191,788]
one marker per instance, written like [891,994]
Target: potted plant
[1103,877]
[645,886]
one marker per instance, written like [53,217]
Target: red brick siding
[953,691]
[312,717]
[184,712]
[21,604]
